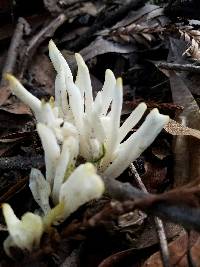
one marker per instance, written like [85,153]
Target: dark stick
[158,222]
[107,19]
[33,44]
[13,50]
[179,67]
[188,217]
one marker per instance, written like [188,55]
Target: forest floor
[155,49]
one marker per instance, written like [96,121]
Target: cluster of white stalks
[77,125]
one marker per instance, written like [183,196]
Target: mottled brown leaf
[186,149]
[178,253]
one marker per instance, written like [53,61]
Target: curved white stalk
[96,129]
[84,83]
[61,94]
[133,147]
[25,233]
[60,172]
[47,115]
[107,91]
[132,120]
[40,189]
[68,129]
[76,103]
[115,113]
[98,104]
[18,89]
[66,161]
[59,84]
[59,61]
[82,186]
[51,150]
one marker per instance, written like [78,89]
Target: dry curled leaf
[186,148]
[176,128]
[178,253]
[192,37]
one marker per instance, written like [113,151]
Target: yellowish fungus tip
[89,167]
[142,104]
[109,72]
[10,78]
[51,44]
[79,59]
[78,56]
[155,111]
[52,101]
[43,101]
[119,82]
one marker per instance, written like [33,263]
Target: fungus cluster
[77,125]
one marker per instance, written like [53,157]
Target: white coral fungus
[64,183]
[25,233]
[96,121]
[77,124]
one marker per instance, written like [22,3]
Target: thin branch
[163,241]
[179,67]
[188,217]
[13,51]
[158,222]
[37,39]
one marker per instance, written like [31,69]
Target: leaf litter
[130,38]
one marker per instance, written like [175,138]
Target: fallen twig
[131,197]
[36,40]
[158,222]
[179,67]
[13,51]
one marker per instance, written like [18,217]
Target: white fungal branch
[96,121]
[99,128]
[82,186]
[25,233]
[64,182]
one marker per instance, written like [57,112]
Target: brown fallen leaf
[120,259]
[186,148]
[178,252]
[42,71]
[102,46]
[15,106]
[176,128]
[14,189]
[10,121]
[154,176]
[195,252]
[4,94]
